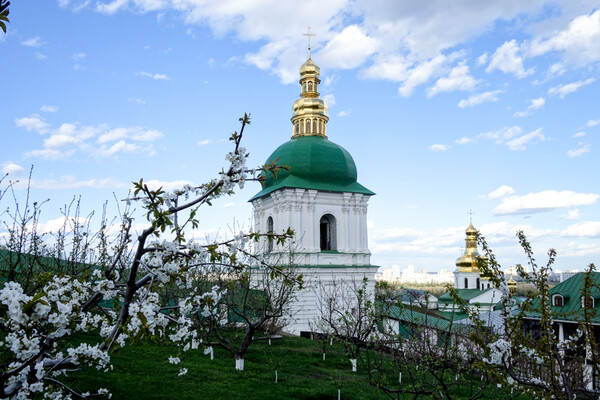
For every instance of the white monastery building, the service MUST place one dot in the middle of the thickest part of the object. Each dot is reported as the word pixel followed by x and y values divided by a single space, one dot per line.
pixel 321 200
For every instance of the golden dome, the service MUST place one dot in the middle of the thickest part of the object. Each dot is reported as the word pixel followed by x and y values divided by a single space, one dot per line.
pixel 468 261
pixel 310 111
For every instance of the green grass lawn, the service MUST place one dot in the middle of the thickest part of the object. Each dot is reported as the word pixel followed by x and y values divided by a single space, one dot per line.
pixel 142 371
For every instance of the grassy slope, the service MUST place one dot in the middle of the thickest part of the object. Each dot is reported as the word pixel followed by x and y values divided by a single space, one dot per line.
pixel 143 372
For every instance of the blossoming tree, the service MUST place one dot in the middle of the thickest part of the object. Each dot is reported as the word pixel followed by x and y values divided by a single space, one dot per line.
pixel 37 327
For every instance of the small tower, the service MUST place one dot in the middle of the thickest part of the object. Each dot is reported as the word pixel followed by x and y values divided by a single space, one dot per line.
pixel 320 199
pixel 467 274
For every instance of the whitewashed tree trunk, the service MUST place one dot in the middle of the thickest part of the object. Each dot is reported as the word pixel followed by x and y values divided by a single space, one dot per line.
pixel 353 362
pixel 275 376
pixel 339 394
pixel 239 364
pixel 323 356
pixel 269 342
pixel 212 354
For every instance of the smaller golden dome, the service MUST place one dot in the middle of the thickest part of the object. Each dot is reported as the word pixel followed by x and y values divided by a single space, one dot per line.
pixel 309 67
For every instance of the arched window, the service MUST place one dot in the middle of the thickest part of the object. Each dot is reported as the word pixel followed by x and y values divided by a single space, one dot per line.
pixel 466 283
pixel 314 126
pixel 479 287
pixel 269 230
pixel 302 127
pixel 327 232
pixel 310 86
pixel 558 300
pixel 297 128
pixel 308 126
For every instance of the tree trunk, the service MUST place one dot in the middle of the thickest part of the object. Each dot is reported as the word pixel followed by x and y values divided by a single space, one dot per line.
pixel 239 364
pixel 353 362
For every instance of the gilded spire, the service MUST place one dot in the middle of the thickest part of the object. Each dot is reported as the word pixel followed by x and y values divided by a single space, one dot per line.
pixel 310 111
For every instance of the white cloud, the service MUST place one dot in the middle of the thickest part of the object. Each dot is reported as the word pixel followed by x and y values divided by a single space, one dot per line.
pixel 137 100
pixel 348 49
pixel 507 59
pixel 50 109
pixel 500 192
pixel 572 214
pixel 544 201
pixel 593 122
pixel 72 137
pixel 71 182
pixel 408 240
pixel 464 140
pixel 155 76
pixel 583 229
pixel 50 154
pixel 438 147
pixel 154 184
pixel 577 249
pixel 582 149
pixel 578 42
pixel 33 42
pixel 394 41
pixel 119 147
pixel 476 99
pixel 329 99
pixel 563 90
pixel 458 79
pixel 204 142
pixel 39 55
pixel 535 105
pixel 343 113
pixel 422 72
pixel 112 7
pixel 519 143
pixel 482 59
pixel 503 134
pixel 12 169
pixel 33 122
pixel 79 56
pixel 579 134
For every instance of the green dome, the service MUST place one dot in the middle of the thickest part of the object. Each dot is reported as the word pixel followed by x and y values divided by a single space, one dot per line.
pixel 315 163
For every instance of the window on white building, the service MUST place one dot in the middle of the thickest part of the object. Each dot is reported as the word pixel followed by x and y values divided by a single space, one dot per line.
pixel 270 230
pixel 327 232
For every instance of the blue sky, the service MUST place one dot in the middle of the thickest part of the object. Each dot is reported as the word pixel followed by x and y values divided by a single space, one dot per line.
pixel 484 106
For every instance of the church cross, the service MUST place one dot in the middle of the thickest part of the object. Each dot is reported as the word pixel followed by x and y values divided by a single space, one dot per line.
pixel 309 35
pixel 470 215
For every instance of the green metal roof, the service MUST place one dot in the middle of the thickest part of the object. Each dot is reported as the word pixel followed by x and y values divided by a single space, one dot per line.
pixel 571 290
pixel 314 163
pixel 414 316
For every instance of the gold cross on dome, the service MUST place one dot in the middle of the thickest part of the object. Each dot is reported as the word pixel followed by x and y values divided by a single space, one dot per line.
pixel 309 35
pixel 470 215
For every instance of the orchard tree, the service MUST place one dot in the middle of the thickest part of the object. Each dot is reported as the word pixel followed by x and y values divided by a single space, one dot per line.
pixel 254 304
pixel 37 325
pixel 347 310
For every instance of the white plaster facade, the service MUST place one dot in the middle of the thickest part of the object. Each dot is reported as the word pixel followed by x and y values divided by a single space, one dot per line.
pixel 347 262
pixel 302 210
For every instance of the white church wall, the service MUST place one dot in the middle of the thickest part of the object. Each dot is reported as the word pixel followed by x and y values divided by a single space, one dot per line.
pixel 302 209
